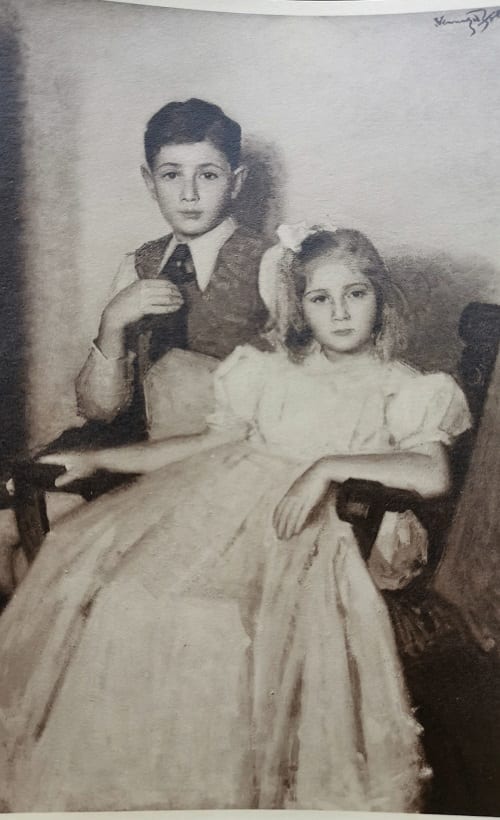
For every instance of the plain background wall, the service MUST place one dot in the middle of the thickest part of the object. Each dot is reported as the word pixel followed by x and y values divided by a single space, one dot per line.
pixel 388 124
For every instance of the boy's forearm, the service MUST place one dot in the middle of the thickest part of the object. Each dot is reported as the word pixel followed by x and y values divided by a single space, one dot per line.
pixel 111 338
pixel 103 387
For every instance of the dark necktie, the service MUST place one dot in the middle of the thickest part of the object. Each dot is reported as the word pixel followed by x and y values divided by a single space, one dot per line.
pixel 179 267
pixel 172 330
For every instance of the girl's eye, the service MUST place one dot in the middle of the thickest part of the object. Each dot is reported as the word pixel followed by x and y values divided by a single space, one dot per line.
pixel 358 294
pixel 320 298
pixel 209 175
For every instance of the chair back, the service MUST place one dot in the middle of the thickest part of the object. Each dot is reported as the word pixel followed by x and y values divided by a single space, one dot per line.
pixel 469 572
pixel 479 329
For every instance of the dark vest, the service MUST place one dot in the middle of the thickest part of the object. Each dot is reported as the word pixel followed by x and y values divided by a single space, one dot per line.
pixel 228 313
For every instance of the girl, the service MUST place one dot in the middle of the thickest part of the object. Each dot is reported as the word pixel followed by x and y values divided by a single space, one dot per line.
pixel 210 637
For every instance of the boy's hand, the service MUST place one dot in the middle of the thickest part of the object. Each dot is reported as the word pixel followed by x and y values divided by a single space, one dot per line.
pixel 142 298
pixel 291 514
pixel 146 297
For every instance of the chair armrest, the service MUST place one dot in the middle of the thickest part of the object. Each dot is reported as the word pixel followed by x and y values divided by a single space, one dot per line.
pixel 363 504
pixel 28 473
pixel 32 475
pixel 361 501
pixel 33 480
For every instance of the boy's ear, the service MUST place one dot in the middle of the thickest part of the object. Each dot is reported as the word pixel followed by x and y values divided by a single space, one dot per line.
pixel 148 179
pixel 239 177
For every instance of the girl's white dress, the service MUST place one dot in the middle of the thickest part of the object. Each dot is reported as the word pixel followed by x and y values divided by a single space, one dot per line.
pixel 167 651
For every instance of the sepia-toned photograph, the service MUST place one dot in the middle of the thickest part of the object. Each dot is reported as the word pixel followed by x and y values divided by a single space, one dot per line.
pixel 250 421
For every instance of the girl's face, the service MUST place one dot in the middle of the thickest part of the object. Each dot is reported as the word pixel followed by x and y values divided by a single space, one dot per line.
pixel 339 305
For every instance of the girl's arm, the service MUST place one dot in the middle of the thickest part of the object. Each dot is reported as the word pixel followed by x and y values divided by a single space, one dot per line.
pixel 423 470
pixel 144 457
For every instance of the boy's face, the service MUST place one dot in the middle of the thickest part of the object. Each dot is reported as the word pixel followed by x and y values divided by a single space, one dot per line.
pixel 194 185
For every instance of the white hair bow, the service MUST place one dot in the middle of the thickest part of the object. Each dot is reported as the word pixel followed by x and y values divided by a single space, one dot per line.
pixel 292 236
pixel 271 273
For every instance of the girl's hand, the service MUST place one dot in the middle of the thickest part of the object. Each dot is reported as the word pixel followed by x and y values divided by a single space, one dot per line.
pixel 78 465
pixel 302 498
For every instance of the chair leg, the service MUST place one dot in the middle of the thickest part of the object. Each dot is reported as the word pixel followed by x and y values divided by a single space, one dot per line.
pixel 31 517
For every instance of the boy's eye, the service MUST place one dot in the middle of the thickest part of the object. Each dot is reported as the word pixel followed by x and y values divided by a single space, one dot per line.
pixel 170 175
pixel 209 175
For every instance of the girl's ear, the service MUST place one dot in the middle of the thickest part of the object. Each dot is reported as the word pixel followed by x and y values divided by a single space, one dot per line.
pixel 239 177
pixel 148 179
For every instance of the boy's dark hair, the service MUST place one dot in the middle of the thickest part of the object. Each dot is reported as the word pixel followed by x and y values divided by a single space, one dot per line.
pixel 192 121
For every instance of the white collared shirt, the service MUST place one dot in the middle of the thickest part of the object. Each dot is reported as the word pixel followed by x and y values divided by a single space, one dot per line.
pixel 204 252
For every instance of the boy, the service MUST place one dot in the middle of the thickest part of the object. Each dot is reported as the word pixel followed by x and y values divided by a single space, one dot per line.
pixel 195 288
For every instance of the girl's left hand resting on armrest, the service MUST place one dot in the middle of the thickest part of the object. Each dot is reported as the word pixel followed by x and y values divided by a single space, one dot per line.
pixel 423 470
pixel 302 498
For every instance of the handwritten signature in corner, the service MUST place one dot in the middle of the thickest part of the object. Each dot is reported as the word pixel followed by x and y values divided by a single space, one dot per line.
pixel 476 19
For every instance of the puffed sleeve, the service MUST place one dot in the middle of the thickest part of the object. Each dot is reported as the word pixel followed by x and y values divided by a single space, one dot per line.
pixel 238 385
pixel 429 408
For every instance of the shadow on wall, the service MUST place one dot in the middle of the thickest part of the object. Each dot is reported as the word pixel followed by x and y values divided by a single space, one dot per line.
pixel 260 204
pixel 437 289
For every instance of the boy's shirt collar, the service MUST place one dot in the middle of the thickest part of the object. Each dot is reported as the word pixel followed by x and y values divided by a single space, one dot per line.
pixel 205 250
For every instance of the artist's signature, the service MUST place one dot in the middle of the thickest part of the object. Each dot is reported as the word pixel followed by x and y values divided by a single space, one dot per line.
pixel 476 20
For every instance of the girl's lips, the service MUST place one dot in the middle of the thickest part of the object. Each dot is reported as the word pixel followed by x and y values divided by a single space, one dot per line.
pixel 191 214
pixel 343 332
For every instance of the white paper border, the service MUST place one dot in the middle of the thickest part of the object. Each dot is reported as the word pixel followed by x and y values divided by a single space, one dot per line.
pixel 310 8
pixel 295 8
pixel 230 814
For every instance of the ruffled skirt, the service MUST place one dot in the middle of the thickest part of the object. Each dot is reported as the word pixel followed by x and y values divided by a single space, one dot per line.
pixel 167 651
